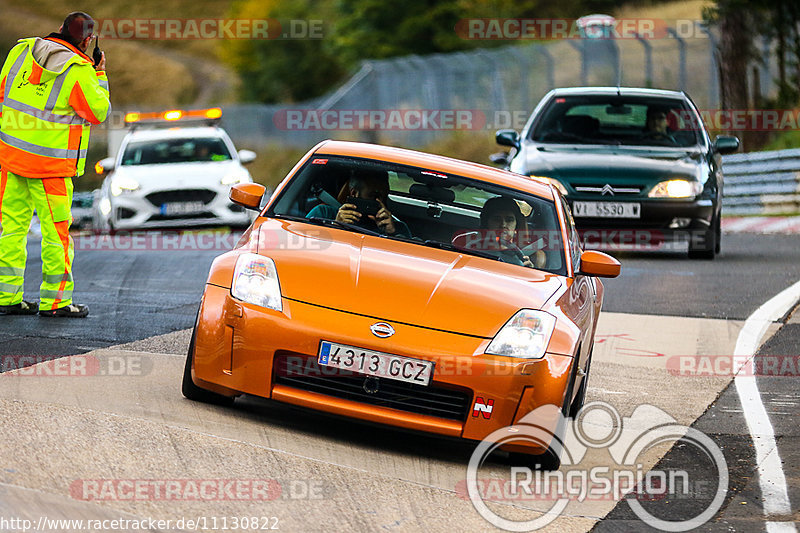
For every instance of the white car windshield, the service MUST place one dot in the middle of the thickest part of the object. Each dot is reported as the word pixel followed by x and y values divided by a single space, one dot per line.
pixel 161 151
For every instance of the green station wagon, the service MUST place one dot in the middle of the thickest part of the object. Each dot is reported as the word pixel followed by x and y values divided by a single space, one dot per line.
pixel 631 162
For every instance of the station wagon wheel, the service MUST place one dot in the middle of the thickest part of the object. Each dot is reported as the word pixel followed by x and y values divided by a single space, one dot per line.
pixel 192 391
pixel 710 247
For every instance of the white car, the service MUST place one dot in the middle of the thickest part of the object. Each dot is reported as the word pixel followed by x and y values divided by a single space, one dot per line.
pixel 172 178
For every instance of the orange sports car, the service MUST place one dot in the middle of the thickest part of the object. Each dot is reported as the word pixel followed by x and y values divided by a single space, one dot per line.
pixel 406 289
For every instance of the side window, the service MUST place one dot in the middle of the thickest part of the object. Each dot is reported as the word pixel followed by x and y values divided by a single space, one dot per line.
pixel 574 238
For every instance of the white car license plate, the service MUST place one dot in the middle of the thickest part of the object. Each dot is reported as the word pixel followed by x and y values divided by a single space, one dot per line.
pixel 182 208
pixel 372 363
pixel 607 209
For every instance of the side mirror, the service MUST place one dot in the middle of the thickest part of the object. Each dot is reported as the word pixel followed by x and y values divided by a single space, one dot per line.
pixel 594 263
pixel 246 156
pixel 247 195
pixel 726 144
pixel 507 138
pixel 104 165
pixel 500 158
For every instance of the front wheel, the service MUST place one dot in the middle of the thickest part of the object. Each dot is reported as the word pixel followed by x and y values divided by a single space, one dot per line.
pixel 192 391
pixel 710 245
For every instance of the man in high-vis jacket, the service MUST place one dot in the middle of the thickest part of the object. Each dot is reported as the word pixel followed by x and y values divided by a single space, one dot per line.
pixel 51 93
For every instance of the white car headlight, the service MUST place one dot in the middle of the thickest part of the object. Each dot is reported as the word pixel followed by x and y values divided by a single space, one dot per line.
pixel 122 184
pixel 526 335
pixel 676 189
pixel 237 176
pixel 255 281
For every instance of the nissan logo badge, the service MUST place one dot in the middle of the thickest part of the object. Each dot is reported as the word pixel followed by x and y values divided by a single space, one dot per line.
pixel 382 330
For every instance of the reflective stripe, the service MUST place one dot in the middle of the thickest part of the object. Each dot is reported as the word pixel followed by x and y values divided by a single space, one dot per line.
pixel 13 72
pixel 54 279
pixel 55 295
pixel 8 288
pixel 12 271
pixel 43 114
pixel 103 84
pixel 59 153
pixel 56 90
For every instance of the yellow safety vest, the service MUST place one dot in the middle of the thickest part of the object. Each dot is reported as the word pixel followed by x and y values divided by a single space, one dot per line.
pixel 45 116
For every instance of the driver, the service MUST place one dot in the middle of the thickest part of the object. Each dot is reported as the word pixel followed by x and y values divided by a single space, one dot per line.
pixel 656 126
pixel 369 185
pixel 503 216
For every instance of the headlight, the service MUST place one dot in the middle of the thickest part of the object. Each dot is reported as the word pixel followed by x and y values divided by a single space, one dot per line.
pixel 676 189
pixel 255 281
pixel 123 184
pixel 555 183
pixel 105 206
pixel 526 335
pixel 232 178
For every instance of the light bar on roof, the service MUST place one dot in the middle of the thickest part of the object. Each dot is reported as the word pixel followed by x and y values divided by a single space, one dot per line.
pixel 173 115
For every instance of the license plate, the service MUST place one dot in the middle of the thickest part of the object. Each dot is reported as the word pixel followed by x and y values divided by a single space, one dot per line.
pixel 607 209
pixel 372 363
pixel 182 208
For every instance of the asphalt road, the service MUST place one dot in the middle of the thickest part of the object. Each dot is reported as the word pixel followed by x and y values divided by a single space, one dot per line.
pixel 137 295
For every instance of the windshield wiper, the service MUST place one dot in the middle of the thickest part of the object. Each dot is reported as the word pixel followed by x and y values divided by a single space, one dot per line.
pixel 320 221
pixel 344 225
pixel 453 248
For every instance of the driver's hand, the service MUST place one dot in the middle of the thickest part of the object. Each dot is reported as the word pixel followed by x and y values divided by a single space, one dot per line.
pixel 348 214
pixel 526 261
pixel 383 218
pixel 539 259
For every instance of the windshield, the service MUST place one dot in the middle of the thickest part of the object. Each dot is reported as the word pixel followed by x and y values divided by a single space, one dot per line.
pixel 427 208
pixel 156 152
pixel 617 120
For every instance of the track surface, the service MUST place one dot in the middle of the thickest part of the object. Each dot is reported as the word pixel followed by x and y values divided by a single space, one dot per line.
pixel 348 475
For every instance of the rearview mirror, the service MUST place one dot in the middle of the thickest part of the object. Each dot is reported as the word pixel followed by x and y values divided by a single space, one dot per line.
pixel 246 156
pixel 500 158
pixel 247 195
pixel 507 138
pixel 726 144
pixel 594 263
pixel 104 165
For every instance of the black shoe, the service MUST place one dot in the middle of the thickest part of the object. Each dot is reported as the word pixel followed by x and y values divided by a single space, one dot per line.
pixel 22 308
pixel 71 310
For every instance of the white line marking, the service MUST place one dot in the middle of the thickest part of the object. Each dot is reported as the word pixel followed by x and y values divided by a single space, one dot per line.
pixel 771 477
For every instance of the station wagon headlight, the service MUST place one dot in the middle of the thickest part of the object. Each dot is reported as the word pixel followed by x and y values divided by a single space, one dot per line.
pixel 121 184
pixel 255 281
pixel 676 189
pixel 526 335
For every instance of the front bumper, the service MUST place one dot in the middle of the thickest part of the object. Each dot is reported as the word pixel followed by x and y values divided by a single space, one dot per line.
pixel 238 346
pixel 141 210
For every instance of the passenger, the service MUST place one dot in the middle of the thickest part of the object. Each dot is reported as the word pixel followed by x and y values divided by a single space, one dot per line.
pixel 503 216
pixel 369 185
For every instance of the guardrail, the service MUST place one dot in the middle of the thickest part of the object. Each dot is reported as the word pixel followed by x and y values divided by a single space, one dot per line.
pixel 762 183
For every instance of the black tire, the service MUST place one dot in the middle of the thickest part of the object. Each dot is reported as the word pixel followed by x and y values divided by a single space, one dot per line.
pixel 580 398
pixel 718 231
pixel 710 247
pixel 195 393
pixel 549 460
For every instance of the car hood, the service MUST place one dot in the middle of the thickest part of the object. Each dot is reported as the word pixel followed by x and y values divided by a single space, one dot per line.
pixel 180 175
pixel 400 282
pixel 613 165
